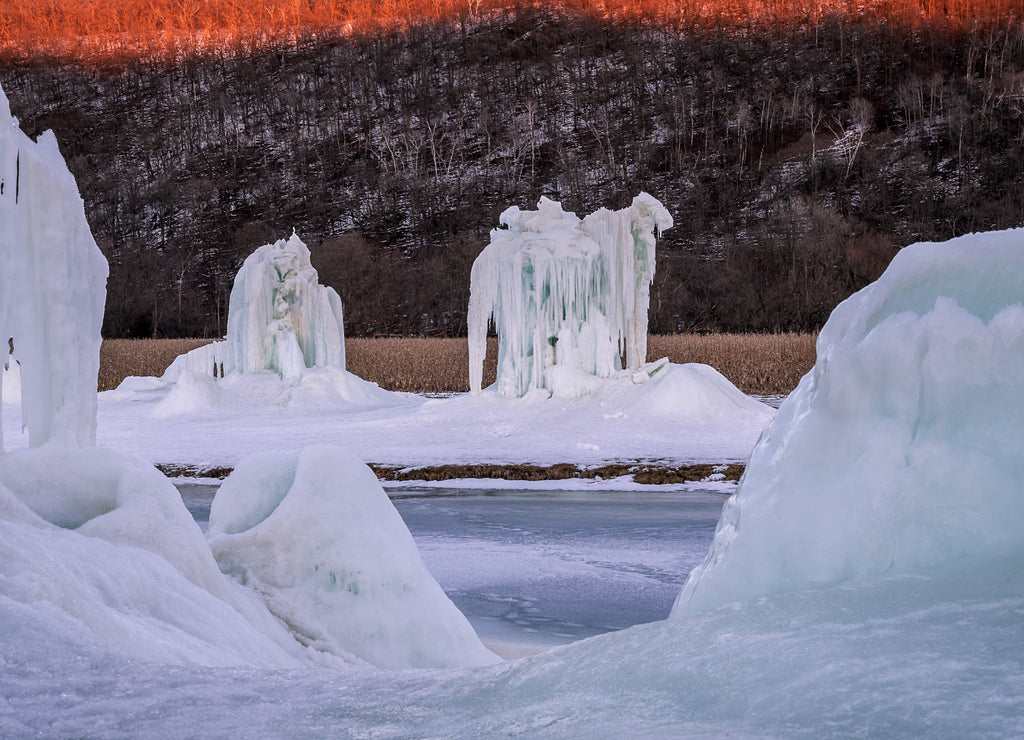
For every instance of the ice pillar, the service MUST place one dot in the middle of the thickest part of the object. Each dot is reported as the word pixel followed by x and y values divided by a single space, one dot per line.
pixel 280 318
pixel 52 287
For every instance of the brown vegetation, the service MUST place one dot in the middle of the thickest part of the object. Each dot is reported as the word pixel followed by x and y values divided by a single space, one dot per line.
pixel 762 364
pixel 645 473
pixel 795 163
pixel 120 358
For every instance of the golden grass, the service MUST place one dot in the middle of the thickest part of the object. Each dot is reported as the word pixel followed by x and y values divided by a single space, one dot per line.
pixel 418 364
pixel 762 364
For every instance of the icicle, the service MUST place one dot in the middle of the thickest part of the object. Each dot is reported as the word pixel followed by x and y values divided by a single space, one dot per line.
pixel 564 291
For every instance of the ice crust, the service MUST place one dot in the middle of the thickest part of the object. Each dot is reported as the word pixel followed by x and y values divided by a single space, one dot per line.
pixel 314 533
pixel 564 292
pixel 900 452
pixel 47 251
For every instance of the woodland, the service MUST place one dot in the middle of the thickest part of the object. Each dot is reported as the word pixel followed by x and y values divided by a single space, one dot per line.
pixel 796 152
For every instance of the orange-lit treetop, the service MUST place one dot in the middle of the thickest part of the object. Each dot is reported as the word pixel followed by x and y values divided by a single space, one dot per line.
pixel 85 28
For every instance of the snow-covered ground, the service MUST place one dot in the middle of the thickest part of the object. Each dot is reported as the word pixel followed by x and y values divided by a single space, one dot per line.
pixel 684 414
pixel 864 581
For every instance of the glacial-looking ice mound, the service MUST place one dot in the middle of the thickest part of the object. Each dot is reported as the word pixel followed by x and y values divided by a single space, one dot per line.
pixel 280 319
pixel 564 291
pixel 902 451
pixel 52 287
pixel 316 536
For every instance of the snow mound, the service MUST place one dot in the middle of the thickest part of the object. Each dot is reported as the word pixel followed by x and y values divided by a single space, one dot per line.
pixel 193 393
pixel 692 394
pixel 48 250
pixel 900 452
pixel 315 535
pixel 112 496
pixel 98 555
pixel 564 292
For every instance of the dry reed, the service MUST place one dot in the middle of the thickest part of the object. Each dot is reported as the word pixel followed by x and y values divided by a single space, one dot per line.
pixel 761 364
pixel 120 358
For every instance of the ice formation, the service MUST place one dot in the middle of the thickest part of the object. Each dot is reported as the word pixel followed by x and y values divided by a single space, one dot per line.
pixel 314 533
pixel 52 287
pixel 280 319
pixel 564 292
pixel 870 563
pixel 900 453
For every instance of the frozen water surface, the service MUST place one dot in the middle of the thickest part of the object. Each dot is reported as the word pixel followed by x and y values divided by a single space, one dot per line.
pixel 533 569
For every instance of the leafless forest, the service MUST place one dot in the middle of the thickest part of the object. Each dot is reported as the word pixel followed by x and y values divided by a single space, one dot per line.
pixel 796 157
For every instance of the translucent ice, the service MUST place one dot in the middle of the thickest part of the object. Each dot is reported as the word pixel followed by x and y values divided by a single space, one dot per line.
pixel 900 452
pixel 315 535
pixel 280 318
pixel 564 292
pixel 52 287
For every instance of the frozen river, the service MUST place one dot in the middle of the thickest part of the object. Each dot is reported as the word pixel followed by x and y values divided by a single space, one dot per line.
pixel 540 568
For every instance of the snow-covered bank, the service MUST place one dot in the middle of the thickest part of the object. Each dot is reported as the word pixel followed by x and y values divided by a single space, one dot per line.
pixel 683 414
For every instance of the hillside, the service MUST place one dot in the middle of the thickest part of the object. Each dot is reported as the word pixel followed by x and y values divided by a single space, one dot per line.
pixel 796 158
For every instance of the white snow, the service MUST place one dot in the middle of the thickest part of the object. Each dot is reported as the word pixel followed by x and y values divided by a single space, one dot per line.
pixel 52 287
pixel 314 533
pixel 565 294
pixel 880 517
pixel 682 414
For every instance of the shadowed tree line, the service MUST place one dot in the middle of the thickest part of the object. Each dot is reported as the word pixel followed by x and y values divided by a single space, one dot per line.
pixel 795 160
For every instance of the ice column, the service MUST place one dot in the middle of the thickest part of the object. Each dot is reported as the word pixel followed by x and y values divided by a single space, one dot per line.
pixel 563 291
pixel 280 318
pixel 52 287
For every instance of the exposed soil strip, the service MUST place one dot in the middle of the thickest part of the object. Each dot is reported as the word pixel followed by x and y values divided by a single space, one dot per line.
pixel 647 473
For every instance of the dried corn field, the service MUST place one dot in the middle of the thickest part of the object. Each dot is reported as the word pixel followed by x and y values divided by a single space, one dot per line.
pixel 762 364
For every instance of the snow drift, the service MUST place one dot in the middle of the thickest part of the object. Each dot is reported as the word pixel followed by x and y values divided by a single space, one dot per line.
pixel 564 292
pixel 901 451
pixel 315 534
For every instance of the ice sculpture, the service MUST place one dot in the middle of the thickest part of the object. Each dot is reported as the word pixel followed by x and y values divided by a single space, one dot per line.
pixel 900 452
pixel 279 319
pixel 47 251
pixel 564 292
